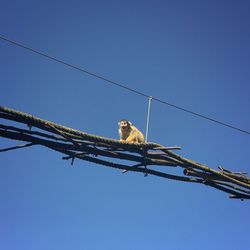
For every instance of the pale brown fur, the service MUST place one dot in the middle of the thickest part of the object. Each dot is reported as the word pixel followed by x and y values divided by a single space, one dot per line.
pixel 129 133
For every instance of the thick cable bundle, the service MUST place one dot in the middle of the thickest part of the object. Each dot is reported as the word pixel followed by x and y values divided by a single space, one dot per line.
pixel 113 153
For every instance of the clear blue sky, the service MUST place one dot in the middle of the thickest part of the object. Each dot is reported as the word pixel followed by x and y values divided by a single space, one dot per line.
pixel 194 54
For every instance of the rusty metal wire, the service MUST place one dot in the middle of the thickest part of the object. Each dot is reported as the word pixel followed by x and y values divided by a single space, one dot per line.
pixel 115 154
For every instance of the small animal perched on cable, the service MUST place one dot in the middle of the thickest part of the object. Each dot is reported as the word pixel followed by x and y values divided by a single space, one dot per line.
pixel 129 133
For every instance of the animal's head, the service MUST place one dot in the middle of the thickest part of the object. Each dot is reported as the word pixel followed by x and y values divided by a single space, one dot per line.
pixel 124 124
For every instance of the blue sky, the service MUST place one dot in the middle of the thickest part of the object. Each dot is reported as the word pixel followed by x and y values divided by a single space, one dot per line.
pixel 194 54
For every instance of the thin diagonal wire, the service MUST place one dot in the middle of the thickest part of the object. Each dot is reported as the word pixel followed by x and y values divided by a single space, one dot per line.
pixel 121 85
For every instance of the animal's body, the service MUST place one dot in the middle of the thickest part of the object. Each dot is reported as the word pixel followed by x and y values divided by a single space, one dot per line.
pixel 130 133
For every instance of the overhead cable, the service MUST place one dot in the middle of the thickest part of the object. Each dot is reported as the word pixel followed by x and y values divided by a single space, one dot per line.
pixel 20 45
